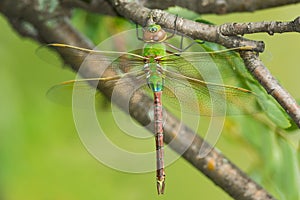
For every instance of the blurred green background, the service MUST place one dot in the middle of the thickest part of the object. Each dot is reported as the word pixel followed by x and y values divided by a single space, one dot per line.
pixel 42 157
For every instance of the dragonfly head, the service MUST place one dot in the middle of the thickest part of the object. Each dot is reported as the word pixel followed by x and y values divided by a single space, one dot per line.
pixel 154 33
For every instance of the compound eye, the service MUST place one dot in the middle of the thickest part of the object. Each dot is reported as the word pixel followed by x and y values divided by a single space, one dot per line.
pixel 152 29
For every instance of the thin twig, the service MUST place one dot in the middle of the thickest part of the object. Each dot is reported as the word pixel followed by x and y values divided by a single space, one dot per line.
pixel 230 29
pixel 271 85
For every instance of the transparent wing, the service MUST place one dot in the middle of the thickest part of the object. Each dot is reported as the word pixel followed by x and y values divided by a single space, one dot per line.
pixel 182 93
pixel 125 82
pixel 117 61
pixel 206 65
pixel 187 80
pixel 207 99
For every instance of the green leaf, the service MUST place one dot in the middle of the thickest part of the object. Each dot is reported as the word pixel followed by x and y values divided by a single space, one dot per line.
pixel 204 21
pixel 183 12
pixel 287 176
pixel 278 166
pixel 272 109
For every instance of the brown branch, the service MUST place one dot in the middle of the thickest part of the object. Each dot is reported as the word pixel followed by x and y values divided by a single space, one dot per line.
pixel 231 29
pixel 271 85
pixel 210 33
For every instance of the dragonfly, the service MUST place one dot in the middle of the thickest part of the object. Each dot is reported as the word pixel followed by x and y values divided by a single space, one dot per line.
pixel 171 74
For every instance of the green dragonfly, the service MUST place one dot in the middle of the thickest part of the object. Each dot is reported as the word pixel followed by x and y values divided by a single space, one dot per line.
pixel 182 78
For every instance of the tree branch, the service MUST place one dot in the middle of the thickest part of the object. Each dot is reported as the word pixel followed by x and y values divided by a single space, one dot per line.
pixel 271 85
pixel 198 6
pixel 231 29
pixel 195 30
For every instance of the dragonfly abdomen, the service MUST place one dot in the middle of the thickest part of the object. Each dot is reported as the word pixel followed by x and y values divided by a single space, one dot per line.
pixel 159 141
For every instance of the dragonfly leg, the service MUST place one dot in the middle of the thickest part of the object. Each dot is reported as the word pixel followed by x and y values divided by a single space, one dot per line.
pixel 137 32
pixel 181 48
pixel 174 30
pixel 187 47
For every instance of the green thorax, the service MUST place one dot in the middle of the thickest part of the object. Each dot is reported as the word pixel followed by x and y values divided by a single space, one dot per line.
pixel 155 71
pixel 154 50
